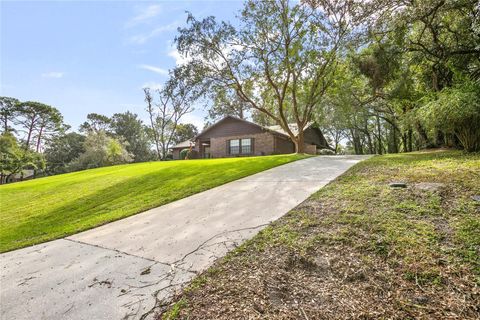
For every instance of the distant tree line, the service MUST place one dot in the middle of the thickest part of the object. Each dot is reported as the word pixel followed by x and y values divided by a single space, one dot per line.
pixel 35 138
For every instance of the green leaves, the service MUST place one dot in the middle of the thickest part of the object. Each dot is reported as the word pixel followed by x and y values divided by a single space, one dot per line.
pixel 14 159
pixel 39 121
pixel 456 110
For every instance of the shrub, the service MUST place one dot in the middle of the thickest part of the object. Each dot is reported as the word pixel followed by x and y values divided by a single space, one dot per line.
pixel 326 152
pixel 100 150
pixel 183 154
pixel 456 110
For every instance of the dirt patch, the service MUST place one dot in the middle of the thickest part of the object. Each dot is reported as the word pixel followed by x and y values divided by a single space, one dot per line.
pixel 430 186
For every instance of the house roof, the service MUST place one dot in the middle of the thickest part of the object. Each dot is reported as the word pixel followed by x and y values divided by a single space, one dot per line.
pixel 292 126
pixel 222 120
pixel 274 129
pixel 183 144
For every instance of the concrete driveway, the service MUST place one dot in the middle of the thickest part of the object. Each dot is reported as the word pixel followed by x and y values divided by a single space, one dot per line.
pixel 125 269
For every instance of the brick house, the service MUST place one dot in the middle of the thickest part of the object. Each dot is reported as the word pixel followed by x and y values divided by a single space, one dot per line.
pixel 234 137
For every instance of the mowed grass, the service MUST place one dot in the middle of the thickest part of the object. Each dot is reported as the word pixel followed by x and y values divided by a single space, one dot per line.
pixel 48 208
pixel 359 249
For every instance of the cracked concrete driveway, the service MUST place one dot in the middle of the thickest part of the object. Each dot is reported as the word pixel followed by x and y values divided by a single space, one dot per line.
pixel 125 269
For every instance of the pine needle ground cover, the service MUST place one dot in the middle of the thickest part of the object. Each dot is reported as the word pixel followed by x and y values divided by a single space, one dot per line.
pixel 359 249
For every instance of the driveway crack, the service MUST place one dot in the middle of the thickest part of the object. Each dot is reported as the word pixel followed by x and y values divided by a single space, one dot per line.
pixel 224 233
pixel 118 251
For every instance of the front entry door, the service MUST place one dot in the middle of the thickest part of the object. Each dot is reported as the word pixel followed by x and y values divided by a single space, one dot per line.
pixel 206 152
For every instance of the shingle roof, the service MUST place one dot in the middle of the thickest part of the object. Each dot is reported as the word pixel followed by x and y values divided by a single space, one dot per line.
pixel 222 120
pixel 183 144
pixel 293 127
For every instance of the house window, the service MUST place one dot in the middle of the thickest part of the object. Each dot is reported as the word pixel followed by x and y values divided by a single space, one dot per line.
pixel 240 146
pixel 246 146
pixel 234 146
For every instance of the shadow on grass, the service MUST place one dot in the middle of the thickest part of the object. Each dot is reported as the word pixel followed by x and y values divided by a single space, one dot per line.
pixel 412 158
pixel 128 197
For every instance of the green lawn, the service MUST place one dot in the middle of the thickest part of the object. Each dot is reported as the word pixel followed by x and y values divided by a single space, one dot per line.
pixel 359 249
pixel 48 208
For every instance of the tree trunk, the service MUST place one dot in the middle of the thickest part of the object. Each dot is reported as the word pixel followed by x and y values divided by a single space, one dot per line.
pixel 405 142
pixel 394 140
pixel 357 145
pixel 29 136
pixel 424 141
pixel 440 139
pixel 371 149
pixel 163 141
pixel 380 147
pixel 164 153
pixel 5 124
pixel 410 140
pixel 337 141
pixel 148 100
pixel 299 142
pixel 39 138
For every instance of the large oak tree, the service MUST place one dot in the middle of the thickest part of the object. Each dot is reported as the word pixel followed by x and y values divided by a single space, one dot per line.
pixel 280 59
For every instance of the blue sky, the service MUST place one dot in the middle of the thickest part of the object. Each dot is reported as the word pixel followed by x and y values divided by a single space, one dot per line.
pixel 94 56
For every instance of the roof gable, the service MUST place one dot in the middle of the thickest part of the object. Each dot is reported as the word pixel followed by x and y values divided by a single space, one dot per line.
pixel 183 144
pixel 230 126
pixel 292 126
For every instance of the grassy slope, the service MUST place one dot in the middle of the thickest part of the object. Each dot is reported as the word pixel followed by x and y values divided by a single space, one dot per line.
pixel 359 249
pixel 39 210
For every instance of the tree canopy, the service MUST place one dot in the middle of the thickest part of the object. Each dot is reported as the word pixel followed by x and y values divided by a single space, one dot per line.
pixel 279 60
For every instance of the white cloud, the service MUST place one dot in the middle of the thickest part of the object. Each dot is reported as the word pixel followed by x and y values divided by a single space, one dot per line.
pixel 182 60
pixel 194 119
pixel 144 37
pixel 53 74
pixel 158 70
pixel 144 15
pixel 152 85
pixel 179 59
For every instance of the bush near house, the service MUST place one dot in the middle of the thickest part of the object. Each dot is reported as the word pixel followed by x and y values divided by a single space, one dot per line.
pixel 326 152
pixel 183 154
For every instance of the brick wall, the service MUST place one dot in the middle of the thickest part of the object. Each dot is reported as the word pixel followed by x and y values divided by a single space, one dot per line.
pixel 262 144
pixel 310 149
pixel 176 153
pixel 314 136
pixel 284 145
